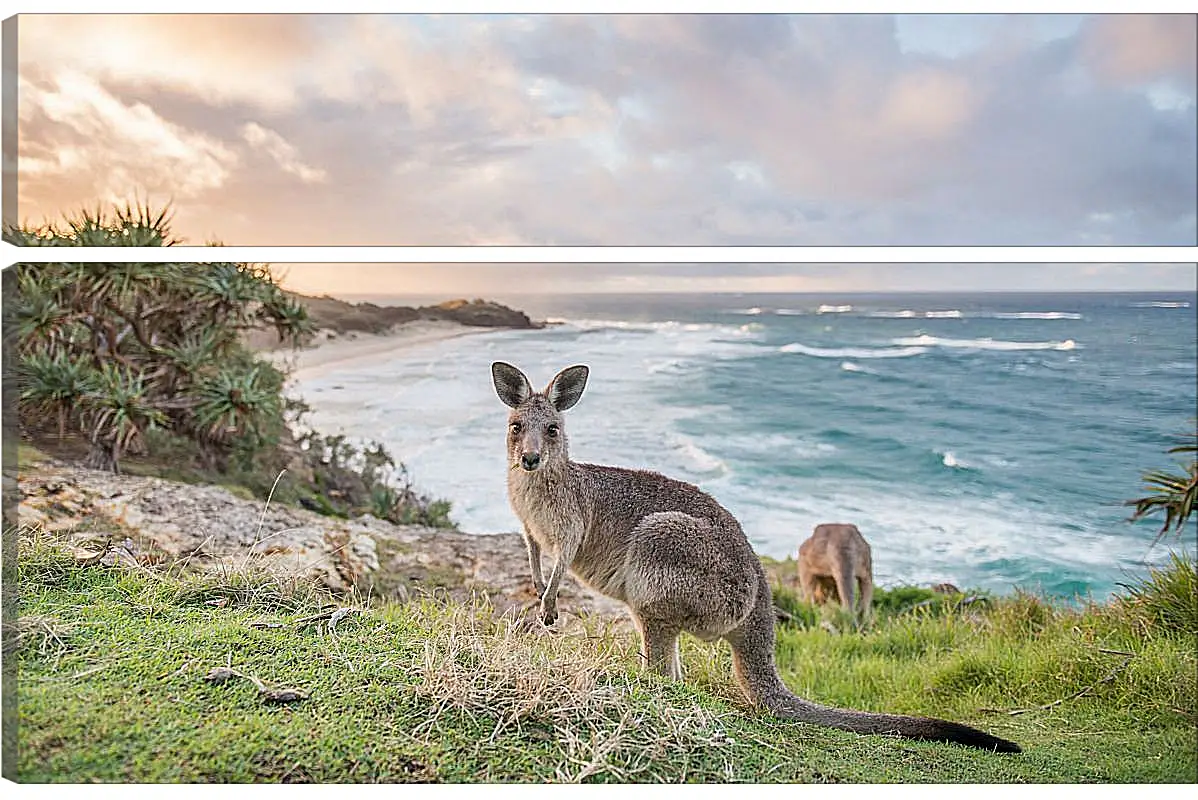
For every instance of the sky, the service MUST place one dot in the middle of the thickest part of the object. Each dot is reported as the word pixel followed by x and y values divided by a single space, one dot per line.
pixel 619 129
pixel 500 280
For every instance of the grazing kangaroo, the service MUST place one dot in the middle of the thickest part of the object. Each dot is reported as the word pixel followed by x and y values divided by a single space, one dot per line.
pixel 840 553
pixel 677 558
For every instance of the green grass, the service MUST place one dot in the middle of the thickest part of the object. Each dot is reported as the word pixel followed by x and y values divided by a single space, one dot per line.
pixel 112 663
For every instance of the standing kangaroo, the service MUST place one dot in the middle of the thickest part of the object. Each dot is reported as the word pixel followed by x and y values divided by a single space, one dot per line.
pixel 677 558
pixel 840 553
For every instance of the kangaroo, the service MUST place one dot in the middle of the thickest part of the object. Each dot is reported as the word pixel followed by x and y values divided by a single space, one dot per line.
pixel 674 556
pixel 840 553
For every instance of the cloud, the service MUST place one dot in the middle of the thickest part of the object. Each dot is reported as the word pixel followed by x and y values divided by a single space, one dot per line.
pixel 108 145
pixel 678 129
pixel 255 59
pixel 282 152
pixel 1130 49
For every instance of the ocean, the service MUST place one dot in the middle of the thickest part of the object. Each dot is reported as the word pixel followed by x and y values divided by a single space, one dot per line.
pixel 987 440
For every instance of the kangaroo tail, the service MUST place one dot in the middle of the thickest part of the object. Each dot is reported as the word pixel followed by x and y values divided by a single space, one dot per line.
pixel 753 662
pixel 786 705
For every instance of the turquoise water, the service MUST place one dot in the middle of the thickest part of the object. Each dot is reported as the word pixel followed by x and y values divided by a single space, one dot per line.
pixel 986 440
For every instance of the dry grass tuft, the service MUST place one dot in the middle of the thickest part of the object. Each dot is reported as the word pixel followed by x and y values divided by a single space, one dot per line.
pixel 581 688
pixel 46 634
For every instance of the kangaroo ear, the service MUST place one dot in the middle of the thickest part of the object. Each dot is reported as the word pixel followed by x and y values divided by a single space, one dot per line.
pixel 565 390
pixel 510 384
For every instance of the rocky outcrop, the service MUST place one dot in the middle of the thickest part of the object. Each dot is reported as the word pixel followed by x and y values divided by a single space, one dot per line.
pixel 153 521
pixel 482 313
pixel 329 313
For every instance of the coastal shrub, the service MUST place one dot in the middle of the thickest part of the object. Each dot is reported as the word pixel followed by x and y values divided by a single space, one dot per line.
pixel 1171 494
pixel 350 481
pixel 150 362
pixel 1167 599
pixel 114 350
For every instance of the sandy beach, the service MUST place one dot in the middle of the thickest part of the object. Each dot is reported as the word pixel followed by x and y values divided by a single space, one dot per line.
pixel 330 350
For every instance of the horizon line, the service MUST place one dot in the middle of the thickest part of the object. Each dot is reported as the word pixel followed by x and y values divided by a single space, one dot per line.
pixel 811 292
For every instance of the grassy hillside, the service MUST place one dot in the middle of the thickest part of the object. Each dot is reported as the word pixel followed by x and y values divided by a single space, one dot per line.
pixel 114 662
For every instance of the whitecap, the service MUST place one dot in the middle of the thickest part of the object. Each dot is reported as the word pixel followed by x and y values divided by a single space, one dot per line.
pixel 825 309
pixel 958 314
pixel 925 340
pixel 695 459
pixel 950 460
pixel 1033 315
pixel 851 352
pixel 1161 304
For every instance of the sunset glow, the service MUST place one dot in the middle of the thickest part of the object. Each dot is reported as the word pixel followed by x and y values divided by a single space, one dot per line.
pixel 607 129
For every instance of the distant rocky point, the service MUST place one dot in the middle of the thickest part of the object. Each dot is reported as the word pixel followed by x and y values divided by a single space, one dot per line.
pixel 339 316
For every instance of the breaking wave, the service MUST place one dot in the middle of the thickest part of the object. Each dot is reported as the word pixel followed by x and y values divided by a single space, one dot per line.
pixel 852 352
pixel 982 344
pixel 1033 315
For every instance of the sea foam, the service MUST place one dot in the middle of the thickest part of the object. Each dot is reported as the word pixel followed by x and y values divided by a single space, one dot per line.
pixel 958 314
pixel 695 459
pixel 852 352
pixel 949 459
pixel 981 344
pixel 1032 315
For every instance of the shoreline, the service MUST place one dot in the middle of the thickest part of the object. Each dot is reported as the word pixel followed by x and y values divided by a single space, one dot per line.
pixel 330 350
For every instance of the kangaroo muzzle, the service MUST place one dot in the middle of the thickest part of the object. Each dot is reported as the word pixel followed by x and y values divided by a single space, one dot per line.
pixel 530 461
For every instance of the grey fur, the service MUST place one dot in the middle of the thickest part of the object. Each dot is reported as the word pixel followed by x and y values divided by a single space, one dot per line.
pixel 677 558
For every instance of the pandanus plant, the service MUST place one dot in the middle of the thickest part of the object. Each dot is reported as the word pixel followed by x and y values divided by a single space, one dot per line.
pixel 113 350
pixel 1171 494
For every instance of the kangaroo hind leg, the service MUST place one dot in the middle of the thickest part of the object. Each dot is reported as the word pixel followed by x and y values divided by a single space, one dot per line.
pixel 867 597
pixel 659 648
pixel 846 584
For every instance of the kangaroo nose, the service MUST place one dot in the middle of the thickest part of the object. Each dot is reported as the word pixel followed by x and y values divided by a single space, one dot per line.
pixel 530 461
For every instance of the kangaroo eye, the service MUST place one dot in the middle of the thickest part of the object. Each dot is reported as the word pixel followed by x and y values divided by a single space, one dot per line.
pixel 515 427
pixel 552 431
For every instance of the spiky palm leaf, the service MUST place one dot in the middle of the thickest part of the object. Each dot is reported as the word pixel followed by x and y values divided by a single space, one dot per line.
pixel 1171 494
pixel 119 408
pixel 195 353
pixel 52 384
pixel 164 340
pixel 38 316
pixel 236 403
pixel 131 225
pixel 290 319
